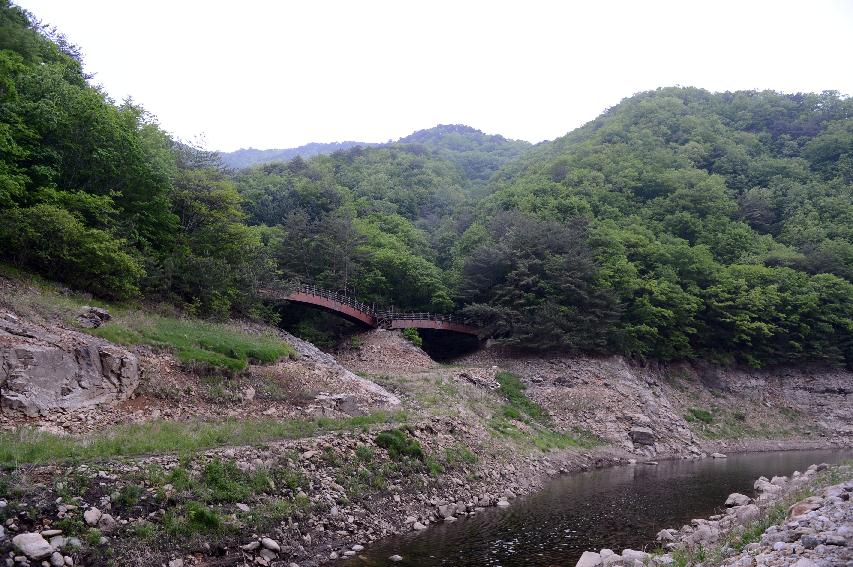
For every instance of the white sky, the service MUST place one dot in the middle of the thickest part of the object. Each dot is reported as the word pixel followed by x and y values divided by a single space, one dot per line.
pixel 276 74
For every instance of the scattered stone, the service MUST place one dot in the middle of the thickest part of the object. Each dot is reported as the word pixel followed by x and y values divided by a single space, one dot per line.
pixel 32 545
pixel 419 526
pixel 91 516
pixel 270 544
pixel 396 558
pixel 718 455
pixel 176 562
pixel 107 523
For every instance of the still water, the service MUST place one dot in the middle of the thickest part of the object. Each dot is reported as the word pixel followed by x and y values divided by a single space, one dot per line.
pixel 620 507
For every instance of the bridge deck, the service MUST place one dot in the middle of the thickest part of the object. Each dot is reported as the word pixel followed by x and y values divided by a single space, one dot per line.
pixel 367 314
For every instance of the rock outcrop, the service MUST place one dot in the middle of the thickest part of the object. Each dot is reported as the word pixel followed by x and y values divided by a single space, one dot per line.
pixel 42 370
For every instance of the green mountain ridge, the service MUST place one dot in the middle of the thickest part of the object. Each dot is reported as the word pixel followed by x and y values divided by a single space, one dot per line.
pixel 679 224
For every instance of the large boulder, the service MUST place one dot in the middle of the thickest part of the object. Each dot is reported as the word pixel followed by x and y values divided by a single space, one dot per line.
pixel 589 559
pixel 642 436
pixel 41 371
pixel 737 499
pixel 32 545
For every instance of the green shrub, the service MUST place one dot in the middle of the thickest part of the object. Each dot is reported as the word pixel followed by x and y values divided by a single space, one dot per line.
pixel 399 444
pixel 55 243
pixel 413 337
pixel 144 530
pixel 129 495
pixel 200 518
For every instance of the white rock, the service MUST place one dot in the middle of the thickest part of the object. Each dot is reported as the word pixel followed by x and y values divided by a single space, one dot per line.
pixel 634 555
pixel 419 526
pixel 270 544
pixel 589 559
pixel 396 558
pixel 737 499
pixel 718 455
pixel 358 547
pixel 32 545
pixel 92 515
pixel 56 560
pixel 176 562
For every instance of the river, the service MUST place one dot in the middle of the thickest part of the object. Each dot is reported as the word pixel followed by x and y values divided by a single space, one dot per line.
pixel 619 507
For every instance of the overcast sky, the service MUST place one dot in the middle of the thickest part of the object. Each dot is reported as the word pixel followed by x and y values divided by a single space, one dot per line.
pixel 275 74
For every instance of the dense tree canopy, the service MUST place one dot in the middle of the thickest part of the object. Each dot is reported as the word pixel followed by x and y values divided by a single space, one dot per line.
pixel 680 223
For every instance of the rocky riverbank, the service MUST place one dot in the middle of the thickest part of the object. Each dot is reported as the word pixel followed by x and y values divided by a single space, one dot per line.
pixel 327 497
pixel 804 521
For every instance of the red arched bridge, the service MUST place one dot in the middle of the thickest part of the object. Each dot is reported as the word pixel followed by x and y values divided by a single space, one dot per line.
pixel 367 314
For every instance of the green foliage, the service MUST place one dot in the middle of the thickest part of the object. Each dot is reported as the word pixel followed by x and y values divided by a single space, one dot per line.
pixel 54 242
pixel 413 337
pixel 399 444
pixel 679 224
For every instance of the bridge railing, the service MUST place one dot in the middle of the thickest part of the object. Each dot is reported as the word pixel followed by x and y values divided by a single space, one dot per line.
pixel 370 309
pixel 335 296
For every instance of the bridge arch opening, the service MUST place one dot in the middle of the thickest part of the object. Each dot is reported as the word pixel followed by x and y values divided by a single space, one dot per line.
pixel 444 345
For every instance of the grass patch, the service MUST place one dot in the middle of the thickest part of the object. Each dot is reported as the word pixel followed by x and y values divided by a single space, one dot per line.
pixel 512 389
pixel 542 437
pixel 697 414
pixel 28 446
pixel 195 341
pixel 222 481
pixel 459 455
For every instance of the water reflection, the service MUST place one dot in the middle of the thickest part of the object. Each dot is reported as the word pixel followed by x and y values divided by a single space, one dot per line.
pixel 616 508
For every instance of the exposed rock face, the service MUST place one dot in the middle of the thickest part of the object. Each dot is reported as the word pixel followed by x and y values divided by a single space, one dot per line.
pixel 41 371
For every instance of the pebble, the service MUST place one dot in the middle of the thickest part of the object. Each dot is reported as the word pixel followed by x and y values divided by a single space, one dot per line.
pixel 396 558
pixel 271 544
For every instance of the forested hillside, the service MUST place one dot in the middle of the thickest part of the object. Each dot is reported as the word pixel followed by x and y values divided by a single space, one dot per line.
pixel 247 157
pixel 678 224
